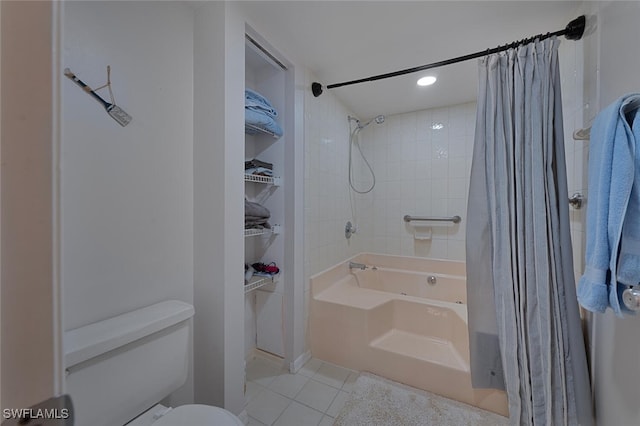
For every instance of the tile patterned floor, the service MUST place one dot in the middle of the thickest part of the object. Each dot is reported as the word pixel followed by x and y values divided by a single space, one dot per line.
pixel 312 397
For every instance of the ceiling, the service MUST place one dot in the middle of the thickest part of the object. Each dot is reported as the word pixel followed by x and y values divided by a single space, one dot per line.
pixel 346 40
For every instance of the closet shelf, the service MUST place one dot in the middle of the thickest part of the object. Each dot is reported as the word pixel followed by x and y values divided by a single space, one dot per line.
pixel 275 230
pixel 251 129
pixel 257 281
pixel 275 181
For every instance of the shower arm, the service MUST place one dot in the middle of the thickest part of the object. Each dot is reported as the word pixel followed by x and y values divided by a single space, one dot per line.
pixel 573 31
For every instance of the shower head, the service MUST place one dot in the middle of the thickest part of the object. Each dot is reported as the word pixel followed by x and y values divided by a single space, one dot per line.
pixel 379 120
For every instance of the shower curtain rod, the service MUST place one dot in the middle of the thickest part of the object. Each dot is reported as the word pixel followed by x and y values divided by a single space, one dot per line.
pixel 573 31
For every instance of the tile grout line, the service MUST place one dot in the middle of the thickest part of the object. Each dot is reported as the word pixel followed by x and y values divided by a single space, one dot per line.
pixel 308 378
pixel 280 415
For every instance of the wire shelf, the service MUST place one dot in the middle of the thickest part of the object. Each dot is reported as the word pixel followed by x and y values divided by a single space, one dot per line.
pixel 275 229
pixel 269 180
pixel 258 281
pixel 251 129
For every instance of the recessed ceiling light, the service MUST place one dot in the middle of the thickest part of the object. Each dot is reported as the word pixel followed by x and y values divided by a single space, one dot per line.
pixel 427 81
pixel 437 126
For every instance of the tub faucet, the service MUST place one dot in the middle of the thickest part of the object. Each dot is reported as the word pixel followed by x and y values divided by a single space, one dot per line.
pixel 354 265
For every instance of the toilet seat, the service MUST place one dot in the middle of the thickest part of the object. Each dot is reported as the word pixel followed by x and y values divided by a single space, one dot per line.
pixel 198 415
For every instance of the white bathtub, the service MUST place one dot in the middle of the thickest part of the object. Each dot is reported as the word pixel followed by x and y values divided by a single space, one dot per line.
pixel 392 320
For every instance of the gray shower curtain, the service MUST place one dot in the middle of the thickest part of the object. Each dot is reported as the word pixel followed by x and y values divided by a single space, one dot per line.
pixel 524 326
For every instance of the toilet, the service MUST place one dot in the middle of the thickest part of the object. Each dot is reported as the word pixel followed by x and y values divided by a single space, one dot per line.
pixel 192 414
pixel 119 369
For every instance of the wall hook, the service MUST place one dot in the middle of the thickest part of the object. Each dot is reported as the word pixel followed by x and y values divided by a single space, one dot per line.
pixel 113 110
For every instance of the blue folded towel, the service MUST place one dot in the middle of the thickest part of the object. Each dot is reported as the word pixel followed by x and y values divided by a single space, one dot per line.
pixel 263 121
pixel 255 101
pixel 612 142
pixel 629 263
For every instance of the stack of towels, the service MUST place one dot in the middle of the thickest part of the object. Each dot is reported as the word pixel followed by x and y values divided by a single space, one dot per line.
pixel 256 216
pixel 257 167
pixel 259 112
pixel 613 210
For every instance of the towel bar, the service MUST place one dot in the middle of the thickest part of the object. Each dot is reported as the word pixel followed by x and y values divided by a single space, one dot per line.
pixel 454 219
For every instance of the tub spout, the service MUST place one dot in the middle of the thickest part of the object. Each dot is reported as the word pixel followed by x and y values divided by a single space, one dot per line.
pixel 354 265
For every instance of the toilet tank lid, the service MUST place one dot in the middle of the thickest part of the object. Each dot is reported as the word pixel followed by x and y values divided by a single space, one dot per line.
pixel 91 340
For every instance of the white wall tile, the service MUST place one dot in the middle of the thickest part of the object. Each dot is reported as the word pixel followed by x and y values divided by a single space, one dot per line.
pixel 419 171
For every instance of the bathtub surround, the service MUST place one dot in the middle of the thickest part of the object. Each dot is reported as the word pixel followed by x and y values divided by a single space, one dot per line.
pixel 421 161
pixel 519 242
pixel 403 318
pixel 377 401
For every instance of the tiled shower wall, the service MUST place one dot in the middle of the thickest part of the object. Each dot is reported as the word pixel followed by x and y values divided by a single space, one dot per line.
pixel 326 187
pixel 326 195
pixel 421 161
pixel 579 106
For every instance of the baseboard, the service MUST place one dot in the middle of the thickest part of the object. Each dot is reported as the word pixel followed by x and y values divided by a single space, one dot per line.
pixel 299 362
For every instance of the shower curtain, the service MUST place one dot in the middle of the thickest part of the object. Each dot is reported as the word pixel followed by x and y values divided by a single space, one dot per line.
pixel 524 326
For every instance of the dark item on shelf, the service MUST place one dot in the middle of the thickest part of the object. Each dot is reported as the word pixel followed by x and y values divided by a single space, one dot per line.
pixel 271 268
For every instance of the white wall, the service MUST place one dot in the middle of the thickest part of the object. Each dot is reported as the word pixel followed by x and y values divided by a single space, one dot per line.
pixel 30 323
pixel 326 183
pixel 127 192
pixel 218 208
pixel 420 171
pixel 612 61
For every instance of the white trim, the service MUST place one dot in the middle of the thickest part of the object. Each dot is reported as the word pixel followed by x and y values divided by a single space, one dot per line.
pixel 296 365
pixel 56 216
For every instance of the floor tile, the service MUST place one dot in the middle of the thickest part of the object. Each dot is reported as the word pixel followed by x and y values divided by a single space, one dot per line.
pixel 327 421
pixel 331 375
pixel 253 390
pixel 317 395
pixel 338 403
pixel 267 406
pixel 254 422
pixel 288 384
pixel 351 379
pixel 299 415
pixel 262 371
pixel 311 367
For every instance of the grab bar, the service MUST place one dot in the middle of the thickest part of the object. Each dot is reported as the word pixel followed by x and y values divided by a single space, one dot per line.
pixel 454 219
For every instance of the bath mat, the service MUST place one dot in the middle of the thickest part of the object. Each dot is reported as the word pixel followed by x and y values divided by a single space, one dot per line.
pixel 379 402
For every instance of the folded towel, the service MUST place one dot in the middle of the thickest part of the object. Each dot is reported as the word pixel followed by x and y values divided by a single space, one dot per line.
pixel 249 164
pixel 612 142
pixel 257 224
pixel 256 210
pixel 262 121
pixel 260 171
pixel 255 101
pixel 629 263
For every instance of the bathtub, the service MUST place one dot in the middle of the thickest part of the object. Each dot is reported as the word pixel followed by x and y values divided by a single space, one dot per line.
pixel 403 318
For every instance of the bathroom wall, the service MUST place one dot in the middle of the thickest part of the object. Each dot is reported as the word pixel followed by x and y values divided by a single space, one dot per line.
pixel 29 140
pixel 127 192
pixel 326 183
pixel 422 162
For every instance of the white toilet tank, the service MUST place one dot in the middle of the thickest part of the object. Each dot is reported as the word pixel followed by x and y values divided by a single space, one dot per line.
pixel 119 367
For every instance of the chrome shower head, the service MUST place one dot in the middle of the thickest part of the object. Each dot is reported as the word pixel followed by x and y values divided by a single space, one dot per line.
pixel 379 120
